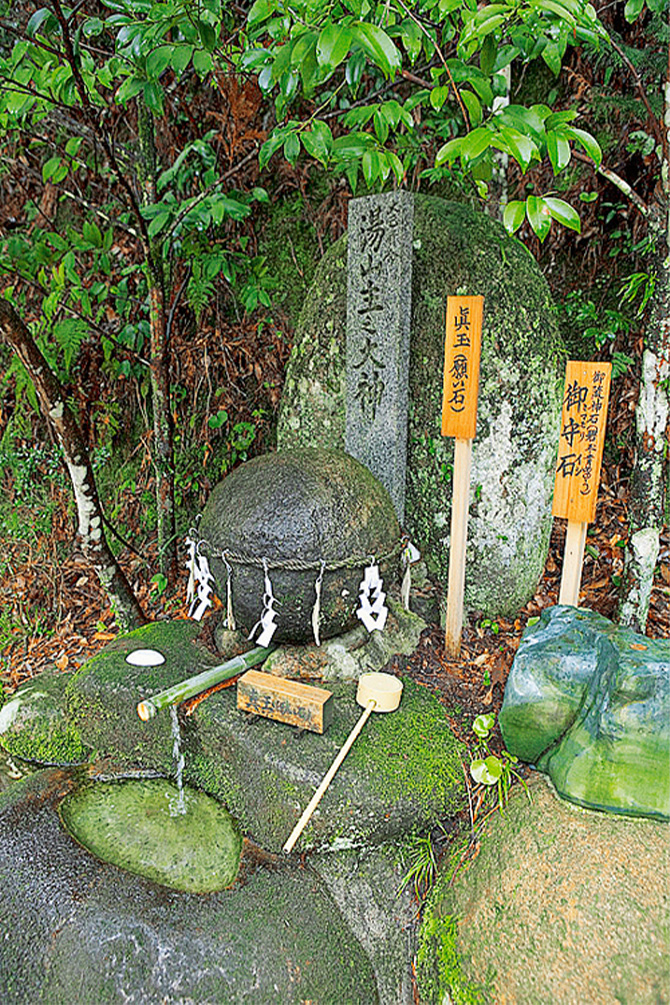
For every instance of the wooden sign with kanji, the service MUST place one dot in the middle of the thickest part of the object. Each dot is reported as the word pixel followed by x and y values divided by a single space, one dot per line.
pixel 462 350
pixel 581 440
pixel 580 452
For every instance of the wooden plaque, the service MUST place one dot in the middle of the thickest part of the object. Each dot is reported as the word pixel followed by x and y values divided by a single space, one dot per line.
pixel 581 440
pixel 285 700
pixel 462 350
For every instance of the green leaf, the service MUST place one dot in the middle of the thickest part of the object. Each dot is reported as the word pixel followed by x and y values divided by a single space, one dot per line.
pixel 202 62
pixel 159 60
pixel 487 56
pixel 438 96
pixel 269 148
pixel 48 169
pixel 553 57
pixel 370 165
pixel 129 89
pixel 37 20
pixel 207 35
pixel 381 127
pixel 632 10
pixel 93 26
pixel 158 223
pixel 483 724
pixel 180 57
pixel 412 37
pixel 333 45
pixel 216 421
pixel 559 151
pixel 292 148
pixel 518 145
pixel 514 215
pixel 72 145
pixel 319 142
pixel 563 213
pixel 153 97
pixel 379 47
pixel 473 105
pixel 474 144
pixel 484 772
pixel 587 142
pixel 91 233
pixel 539 216
pixel 450 152
pixel 260 10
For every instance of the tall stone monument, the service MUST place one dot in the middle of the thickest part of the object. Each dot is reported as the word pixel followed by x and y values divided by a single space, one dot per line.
pixel 379 313
pixel 454 250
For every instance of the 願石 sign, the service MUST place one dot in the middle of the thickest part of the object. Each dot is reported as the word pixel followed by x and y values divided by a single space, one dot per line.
pixel 581 440
pixel 379 311
pixel 462 349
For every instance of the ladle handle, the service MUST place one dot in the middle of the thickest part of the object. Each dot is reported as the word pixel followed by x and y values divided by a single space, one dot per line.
pixel 328 777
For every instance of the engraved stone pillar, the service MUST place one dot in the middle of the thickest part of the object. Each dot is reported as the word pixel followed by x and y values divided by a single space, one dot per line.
pixel 379 308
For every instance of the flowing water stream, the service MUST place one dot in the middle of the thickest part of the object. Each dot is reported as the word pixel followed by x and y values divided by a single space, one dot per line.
pixel 178 804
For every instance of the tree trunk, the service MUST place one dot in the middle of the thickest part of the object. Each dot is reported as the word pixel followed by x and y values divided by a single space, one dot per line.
pixel 128 612
pixel 163 440
pixel 649 483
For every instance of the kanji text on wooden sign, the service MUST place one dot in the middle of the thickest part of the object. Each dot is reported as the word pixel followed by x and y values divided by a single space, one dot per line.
pixel 461 366
pixel 581 440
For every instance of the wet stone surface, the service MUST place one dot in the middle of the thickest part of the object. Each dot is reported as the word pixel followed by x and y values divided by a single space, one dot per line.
pixel 309 505
pixel 74 929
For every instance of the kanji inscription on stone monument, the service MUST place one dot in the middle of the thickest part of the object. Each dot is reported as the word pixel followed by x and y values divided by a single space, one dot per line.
pixel 379 305
pixel 581 440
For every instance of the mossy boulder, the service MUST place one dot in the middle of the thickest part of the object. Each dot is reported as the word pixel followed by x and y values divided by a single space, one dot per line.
pixel 561 905
pixel 402 774
pixel 588 702
pixel 308 505
pixel 34 726
pixel 103 695
pixel 455 250
pixel 74 929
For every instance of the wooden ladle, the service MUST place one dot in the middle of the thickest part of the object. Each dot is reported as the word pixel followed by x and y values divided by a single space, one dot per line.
pixel 377 692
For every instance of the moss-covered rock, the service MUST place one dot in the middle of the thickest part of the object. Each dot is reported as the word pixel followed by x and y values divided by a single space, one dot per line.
pixel 74 929
pixel 33 724
pixel 561 906
pixel 103 695
pixel 402 773
pixel 456 250
pixel 588 702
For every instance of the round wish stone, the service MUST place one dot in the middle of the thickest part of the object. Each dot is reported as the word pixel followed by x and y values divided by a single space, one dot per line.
pixel 310 505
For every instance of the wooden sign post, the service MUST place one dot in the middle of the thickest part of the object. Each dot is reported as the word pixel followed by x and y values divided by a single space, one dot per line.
pixel 459 419
pixel 580 452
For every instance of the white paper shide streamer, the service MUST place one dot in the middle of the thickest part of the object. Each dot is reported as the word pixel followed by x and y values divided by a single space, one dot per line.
pixel 203 586
pixel 268 619
pixel 372 610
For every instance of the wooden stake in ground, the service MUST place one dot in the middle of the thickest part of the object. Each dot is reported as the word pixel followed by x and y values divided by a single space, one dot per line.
pixel 459 419
pixel 580 452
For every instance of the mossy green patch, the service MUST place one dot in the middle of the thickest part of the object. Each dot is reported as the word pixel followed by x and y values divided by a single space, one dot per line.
pixel 33 724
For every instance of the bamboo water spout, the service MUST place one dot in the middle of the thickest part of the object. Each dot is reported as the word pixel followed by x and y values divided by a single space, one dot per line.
pixel 208 678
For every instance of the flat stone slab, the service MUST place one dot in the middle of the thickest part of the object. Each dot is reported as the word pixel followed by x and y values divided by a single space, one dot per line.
pixel 402 774
pixel 562 905
pixel 588 702
pixel 73 929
